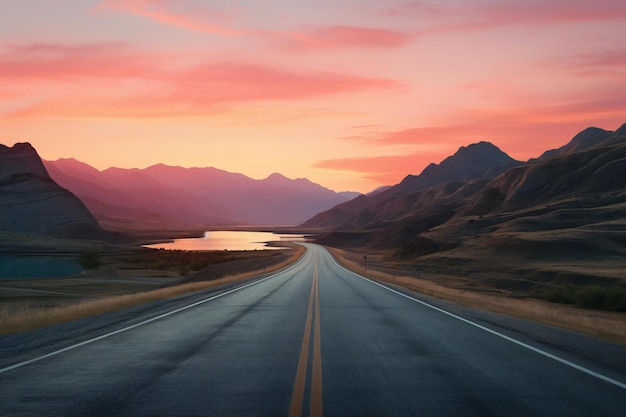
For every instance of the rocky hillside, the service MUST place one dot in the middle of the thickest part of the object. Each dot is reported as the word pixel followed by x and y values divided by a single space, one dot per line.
pixel 587 174
pixel 30 201
pixel 474 162
pixel 557 219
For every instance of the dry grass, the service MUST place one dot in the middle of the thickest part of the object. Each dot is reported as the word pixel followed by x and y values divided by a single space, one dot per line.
pixel 24 318
pixel 606 325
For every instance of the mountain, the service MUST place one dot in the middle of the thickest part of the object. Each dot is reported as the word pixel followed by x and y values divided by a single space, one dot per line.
pixel 588 138
pixel 555 220
pixel 112 201
pixel 31 202
pixel 592 164
pixel 474 162
pixel 378 190
pixel 192 196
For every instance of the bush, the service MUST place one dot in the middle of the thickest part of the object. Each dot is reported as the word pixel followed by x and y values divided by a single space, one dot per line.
pixel 594 296
pixel 591 297
pixel 613 298
pixel 563 295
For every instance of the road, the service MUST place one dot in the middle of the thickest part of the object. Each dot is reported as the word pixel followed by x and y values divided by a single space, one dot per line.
pixel 313 340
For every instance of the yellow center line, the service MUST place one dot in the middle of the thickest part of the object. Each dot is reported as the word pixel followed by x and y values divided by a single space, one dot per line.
pixel 316 384
pixel 297 398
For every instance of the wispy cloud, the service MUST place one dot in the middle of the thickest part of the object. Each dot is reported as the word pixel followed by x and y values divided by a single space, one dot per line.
pixel 553 11
pixel 468 16
pixel 514 128
pixel 595 65
pixel 183 15
pixel 116 81
pixel 243 81
pixel 62 63
pixel 523 133
pixel 179 14
pixel 335 37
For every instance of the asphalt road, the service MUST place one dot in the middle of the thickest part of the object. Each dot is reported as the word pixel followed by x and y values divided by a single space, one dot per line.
pixel 312 340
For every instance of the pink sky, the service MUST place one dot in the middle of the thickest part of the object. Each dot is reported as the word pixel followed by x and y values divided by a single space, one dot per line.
pixel 351 94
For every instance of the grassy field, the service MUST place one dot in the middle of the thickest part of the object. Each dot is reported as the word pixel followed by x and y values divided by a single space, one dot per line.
pixel 603 324
pixel 126 280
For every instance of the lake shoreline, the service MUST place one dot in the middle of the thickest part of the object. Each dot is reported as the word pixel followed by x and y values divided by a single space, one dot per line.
pixel 228 240
pixel 28 256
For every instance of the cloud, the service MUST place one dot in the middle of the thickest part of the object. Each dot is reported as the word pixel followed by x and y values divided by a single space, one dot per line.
pixel 335 37
pixel 596 65
pixel 615 58
pixel 525 133
pixel 177 14
pixel 60 62
pixel 554 11
pixel 472 16
pixel 414 9
pixel 113 80
pixel 241 81
pixel 182 15
pixel 521 141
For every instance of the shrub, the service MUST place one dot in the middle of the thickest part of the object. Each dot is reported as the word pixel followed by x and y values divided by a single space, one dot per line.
pixel 563 295
pixel 590 297
pixel 593 296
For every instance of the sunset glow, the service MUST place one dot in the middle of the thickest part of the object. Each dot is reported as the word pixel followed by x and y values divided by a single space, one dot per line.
pixel 352 94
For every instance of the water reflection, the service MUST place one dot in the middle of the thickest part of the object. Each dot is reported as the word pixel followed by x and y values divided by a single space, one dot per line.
pixel 228 240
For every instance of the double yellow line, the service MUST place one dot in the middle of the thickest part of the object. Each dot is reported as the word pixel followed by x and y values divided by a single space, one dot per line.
pixel 297 398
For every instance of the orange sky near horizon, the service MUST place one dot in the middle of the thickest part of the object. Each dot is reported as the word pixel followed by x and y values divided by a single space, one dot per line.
pixel 352 94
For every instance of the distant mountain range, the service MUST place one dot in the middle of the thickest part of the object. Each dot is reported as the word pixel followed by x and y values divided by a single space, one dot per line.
pixel 570 203
pixel 191 196
pixel 548 227
pixel 31 202
pixel 479 194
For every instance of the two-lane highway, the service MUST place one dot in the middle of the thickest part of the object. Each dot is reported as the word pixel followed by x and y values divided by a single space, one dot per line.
pixel 312 340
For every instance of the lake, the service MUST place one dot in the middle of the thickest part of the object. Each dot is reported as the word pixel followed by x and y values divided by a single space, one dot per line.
pixel 227 240
pixel 38 266
pixel 49 266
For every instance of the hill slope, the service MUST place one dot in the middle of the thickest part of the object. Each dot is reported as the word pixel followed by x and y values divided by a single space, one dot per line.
pixel 474 162
pixel 557 219
pixel 30 201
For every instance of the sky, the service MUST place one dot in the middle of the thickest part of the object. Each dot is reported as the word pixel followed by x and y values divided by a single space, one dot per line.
pixel 352 94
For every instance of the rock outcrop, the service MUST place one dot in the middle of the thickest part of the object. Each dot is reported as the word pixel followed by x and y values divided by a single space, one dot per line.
pixel 31 202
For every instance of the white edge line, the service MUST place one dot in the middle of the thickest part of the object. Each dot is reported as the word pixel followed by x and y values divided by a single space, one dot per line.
pixel 486 329
pixel 159 317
